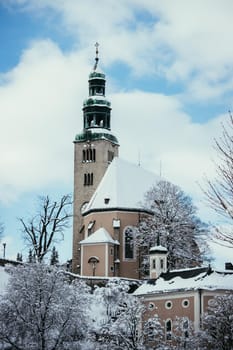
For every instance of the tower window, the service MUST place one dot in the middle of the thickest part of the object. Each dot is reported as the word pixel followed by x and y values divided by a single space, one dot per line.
pixel 110 156
pixel 88 179
pixel 89 155
pixel 84 155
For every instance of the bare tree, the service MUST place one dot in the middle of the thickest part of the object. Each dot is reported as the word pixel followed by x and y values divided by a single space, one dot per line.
pixel 48 225
pixel 219 192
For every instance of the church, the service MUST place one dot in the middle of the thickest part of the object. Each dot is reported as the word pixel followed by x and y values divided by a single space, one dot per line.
pixel 108 193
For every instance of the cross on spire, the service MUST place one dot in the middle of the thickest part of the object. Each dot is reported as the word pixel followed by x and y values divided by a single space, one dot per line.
pixel 96 55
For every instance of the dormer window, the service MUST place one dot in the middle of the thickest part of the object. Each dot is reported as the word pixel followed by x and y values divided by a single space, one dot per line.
pixel 106 200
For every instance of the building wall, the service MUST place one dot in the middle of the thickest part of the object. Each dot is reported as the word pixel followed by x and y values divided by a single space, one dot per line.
pixel 127 267
pixel 157 304
pixel 82 192
pixel 103 253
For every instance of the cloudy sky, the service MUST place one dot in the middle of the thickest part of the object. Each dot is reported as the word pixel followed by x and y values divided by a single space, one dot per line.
pixel 169 78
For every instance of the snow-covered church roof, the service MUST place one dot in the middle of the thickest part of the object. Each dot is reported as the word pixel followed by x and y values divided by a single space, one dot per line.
pixel 99 236
pixel 123 186
pixel 188 279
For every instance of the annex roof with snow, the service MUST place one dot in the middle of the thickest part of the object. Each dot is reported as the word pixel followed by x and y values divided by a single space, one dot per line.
pixel 158 249
pixel 188 279
pixel 123 187
pixel 99 236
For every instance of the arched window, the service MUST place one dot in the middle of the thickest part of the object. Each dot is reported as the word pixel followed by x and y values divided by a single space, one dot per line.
pixel 129 243
pixel 91 180
pixel 90 151
pixel 93 155
pixel 168 329
pixel 88 179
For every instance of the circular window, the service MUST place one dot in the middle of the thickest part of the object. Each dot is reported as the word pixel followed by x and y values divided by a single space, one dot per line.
pixel 151 306
pixel 185 303
pixel 168 304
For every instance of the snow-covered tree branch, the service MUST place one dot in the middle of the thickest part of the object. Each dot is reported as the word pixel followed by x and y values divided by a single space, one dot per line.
pixel 42 311
pixel 173 223
pixel 219 192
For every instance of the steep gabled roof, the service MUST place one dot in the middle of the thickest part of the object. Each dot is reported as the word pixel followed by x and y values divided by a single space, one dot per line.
pixel 122 187
pixel 99 236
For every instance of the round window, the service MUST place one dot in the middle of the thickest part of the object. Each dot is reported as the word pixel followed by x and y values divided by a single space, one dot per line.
pixel 185 303
pixel 168 304
pixel 151 306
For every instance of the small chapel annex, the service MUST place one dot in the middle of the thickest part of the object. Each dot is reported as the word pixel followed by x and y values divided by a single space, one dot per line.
pixel 108 193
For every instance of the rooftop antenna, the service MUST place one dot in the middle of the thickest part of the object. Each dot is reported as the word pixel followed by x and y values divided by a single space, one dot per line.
pixel 96 56
pixel 139 158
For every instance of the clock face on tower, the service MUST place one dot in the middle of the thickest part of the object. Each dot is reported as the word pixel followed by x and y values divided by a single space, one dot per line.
pixel 83 207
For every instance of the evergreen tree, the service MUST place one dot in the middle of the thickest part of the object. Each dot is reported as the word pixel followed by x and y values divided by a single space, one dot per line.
pixel 31 256
pixel 19 257
pixel 54 259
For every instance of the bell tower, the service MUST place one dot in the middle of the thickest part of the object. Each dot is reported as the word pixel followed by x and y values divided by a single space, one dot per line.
pixel 94 149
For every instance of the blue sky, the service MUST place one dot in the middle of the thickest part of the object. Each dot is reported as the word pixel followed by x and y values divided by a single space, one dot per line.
pixel 169 78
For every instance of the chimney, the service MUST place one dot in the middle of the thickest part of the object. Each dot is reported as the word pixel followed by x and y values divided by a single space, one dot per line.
pixel 228 266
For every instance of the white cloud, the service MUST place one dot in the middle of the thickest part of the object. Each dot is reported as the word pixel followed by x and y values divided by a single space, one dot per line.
pixel 155 126
pixel 40 110
pixel 185 41
pixel 40 102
